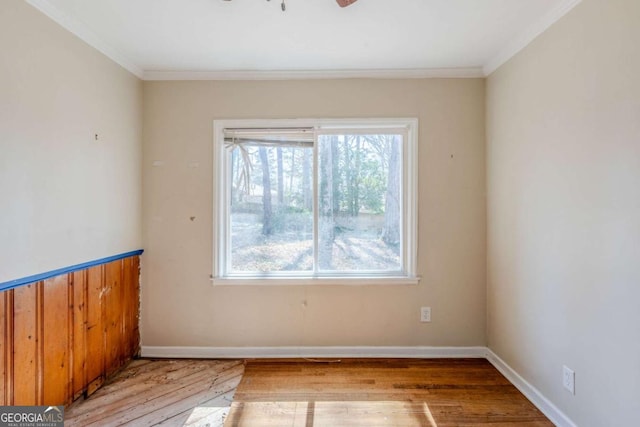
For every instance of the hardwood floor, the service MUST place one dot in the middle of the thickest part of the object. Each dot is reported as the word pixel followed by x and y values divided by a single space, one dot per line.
pixel 161 392
pixel 434 392
pixel 349 392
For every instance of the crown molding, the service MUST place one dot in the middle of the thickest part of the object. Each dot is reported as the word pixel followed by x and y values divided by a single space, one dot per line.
pixel 427 73
pixel 523 39
pixel 85 34
pixel 512 48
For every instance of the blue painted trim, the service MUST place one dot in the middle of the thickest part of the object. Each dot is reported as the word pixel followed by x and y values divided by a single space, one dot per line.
pixel 43 276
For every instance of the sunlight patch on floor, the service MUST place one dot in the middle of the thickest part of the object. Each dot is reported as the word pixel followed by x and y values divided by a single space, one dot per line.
pixel 207 417
pixel 326 413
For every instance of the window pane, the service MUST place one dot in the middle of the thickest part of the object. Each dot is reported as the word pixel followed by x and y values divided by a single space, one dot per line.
pixel 359 202
pixel 271 208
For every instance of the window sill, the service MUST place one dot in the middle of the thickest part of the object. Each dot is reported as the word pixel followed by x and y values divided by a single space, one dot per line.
pixel 306 281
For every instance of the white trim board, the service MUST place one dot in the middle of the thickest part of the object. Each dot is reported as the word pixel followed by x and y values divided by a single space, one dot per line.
pixel 411 352
pixel 306 352
pixel 423 73
pixel 515 45
pixel 545 406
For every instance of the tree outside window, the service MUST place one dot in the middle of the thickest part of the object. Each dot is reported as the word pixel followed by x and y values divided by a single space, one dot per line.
pixel 330 202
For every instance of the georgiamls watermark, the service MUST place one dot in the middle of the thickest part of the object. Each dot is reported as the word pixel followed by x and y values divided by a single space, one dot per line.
pixel 31 416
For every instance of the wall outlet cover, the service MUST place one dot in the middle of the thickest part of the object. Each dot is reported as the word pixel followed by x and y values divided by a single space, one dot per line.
pixel 569 379
pixel 425 314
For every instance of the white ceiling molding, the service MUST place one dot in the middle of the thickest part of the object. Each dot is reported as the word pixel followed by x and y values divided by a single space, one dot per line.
pixel 523 39
pixel 516 44
pixel 84 33
pixel 432 73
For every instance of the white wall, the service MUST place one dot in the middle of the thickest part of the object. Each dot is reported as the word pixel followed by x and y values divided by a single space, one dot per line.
pixel 181 308
pixel 65 198
pixel 563 155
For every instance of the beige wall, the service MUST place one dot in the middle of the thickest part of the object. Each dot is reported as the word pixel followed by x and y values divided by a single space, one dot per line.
pixel 65 198
pixel 180 307
pixel 563 181
pixel 563 154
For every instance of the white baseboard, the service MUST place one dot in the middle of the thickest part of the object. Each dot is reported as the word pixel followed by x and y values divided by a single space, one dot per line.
pixel 533 394
pixel 294 352
pixel 538 399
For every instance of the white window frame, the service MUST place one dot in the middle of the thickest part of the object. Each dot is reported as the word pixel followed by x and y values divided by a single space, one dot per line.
pixel 221 197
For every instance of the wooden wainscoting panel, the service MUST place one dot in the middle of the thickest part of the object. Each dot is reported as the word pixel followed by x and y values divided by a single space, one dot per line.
pixel 26 378
pixel 61 338
pixel 114 308
pixel 132 303
pixel 8 347
pixel 3 348
pixel 57 333
pixel 79 339
pixel 95 331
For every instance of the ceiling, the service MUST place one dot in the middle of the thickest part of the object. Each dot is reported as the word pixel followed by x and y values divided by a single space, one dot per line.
pixel 175 39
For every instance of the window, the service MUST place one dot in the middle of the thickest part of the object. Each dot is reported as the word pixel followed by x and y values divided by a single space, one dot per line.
pixel 319 201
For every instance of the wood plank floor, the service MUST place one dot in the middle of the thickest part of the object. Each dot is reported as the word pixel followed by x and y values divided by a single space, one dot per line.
pixel 161 392
pixel 434 392
pixel 349 392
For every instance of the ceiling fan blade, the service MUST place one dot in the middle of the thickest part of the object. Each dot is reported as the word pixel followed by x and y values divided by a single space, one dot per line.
pixel 345 3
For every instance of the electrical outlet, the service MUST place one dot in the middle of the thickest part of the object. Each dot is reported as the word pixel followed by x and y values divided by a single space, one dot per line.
pixel 425 314
pixel 569 379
